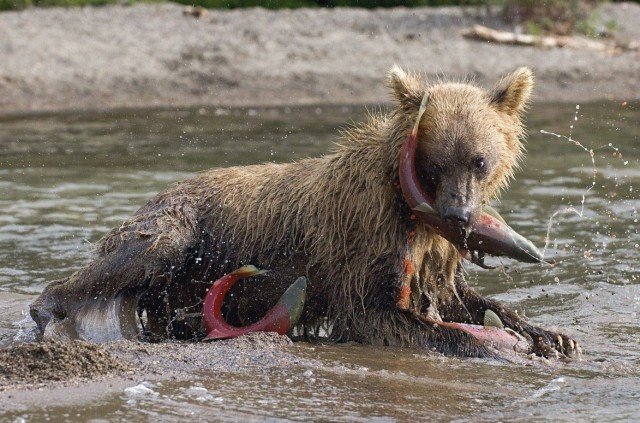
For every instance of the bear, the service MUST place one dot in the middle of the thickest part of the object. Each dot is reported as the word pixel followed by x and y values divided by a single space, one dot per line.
pixel 376 274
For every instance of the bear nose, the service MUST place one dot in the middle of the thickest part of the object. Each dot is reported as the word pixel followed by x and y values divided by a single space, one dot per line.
pixel 459 215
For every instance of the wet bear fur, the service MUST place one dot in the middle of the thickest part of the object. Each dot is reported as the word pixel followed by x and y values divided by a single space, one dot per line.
pixel 376 274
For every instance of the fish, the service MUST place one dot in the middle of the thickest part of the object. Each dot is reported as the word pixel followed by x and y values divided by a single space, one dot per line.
pixel 280 319
pixel 488 234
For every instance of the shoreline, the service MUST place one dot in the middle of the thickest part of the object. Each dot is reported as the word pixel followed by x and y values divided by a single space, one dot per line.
pixel 152 56
pixel 79 372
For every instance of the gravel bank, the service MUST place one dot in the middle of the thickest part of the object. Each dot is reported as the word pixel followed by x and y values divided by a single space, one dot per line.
pixel 151 55
pixel 32 364
pixel 76 372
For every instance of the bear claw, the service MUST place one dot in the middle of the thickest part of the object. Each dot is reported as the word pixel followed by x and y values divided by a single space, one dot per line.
pixel 550 344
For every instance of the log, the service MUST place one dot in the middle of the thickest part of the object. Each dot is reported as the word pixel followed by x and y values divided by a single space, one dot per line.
pixel 483 33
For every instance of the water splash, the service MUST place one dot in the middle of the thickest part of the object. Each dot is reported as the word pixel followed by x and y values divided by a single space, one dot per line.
pixel 591 152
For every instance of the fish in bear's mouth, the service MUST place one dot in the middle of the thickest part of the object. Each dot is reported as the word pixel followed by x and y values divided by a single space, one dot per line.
pixel 487 234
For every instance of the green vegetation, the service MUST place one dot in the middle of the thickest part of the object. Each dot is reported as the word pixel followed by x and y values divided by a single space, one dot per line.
pixel 23 4
pixel 536 17
pixel 562 17
pixel 269 4
pixel 231 4
pixel 14 4
pixel 278 4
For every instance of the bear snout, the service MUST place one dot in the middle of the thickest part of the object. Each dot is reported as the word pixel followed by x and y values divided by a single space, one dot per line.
pixel 457 215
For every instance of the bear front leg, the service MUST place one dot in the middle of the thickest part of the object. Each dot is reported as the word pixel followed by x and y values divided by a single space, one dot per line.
pixel 404 328
pixel 543 342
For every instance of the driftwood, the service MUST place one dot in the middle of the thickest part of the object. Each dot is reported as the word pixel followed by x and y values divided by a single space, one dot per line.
pixel 483 33
pixel 197 11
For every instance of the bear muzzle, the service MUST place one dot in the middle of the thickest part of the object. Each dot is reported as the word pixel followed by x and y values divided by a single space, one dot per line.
pixel 457 215
pixel 474 234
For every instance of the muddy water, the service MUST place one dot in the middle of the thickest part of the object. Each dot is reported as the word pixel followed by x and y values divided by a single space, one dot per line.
pixel 65 180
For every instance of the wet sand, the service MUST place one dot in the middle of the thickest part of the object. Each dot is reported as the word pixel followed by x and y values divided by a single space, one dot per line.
pixel 78 373
pixel 151 55
pixel 75 372
pixel 33 364
pixel 30 365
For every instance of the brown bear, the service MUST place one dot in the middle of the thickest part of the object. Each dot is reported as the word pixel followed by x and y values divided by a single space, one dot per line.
pixel 376 274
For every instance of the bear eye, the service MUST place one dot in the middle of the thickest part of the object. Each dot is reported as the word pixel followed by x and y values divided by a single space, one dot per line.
pixel 479 163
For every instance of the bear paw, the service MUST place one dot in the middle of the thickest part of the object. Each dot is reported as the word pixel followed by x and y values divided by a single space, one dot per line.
pixel 552 344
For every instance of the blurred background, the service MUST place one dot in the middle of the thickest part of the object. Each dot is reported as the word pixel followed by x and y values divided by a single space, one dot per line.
pixel 103 55
pixel 278 4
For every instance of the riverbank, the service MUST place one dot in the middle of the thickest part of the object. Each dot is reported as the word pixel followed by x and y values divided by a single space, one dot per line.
pixel 76 373
pixel 153 55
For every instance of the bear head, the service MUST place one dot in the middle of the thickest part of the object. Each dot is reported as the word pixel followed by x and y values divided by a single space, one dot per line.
pixel 469 139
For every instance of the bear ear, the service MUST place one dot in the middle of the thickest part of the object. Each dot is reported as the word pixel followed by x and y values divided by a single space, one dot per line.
pixel 511 94
pixel 406 88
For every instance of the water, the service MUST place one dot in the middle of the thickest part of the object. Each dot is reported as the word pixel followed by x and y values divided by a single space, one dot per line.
pixel 65 180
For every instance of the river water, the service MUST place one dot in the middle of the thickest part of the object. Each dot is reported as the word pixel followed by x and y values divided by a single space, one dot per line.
pixel 66 179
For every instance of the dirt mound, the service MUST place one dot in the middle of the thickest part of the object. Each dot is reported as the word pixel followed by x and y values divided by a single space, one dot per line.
pixel 259 340
pixel 55 361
